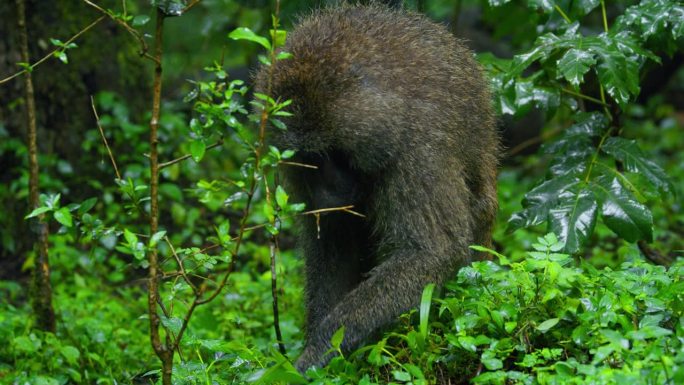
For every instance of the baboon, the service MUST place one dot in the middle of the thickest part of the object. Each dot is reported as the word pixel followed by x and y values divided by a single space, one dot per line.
pixel 396 115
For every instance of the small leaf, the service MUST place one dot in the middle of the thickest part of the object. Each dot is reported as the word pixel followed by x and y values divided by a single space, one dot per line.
pixel 244 33
pixel 197 150
pixel 62 56
pixel 281 196
pixel 157 237
pixel 131 238
pixel 336 340
pixel 63 216
pixel 140 20
pixel 548 324
pixel 86 205
pixel 70 353
pixel 37 211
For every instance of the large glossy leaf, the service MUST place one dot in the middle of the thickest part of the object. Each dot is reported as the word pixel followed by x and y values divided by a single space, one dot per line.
pixel 574 218
pixel 540 200
pixel 621 211
pixel 618 75
pixel 629 153
pixel 574 64
pixel 652 17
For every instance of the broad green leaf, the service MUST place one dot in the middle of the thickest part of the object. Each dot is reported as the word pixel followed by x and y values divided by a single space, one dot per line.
pixel 548 324
pixel 618 75
pixel 401 375
pixel 70 353
pixel 540 200
pixel 629 153
pixel 574 218
pixel 621 211
pixel 63 216
pixel 197 149
pixel 244 33
pixel 574 64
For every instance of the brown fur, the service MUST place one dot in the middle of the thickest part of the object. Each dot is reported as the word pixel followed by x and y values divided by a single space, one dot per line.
pixel 396 114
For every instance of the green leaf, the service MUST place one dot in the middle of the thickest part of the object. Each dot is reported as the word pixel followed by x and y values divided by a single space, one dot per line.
pixel 63 216
pixel 70 353
pixel 629 153
pixel 37 211
pixel 425 302
pixel 62 56
pixel 244 33
pixel 622 213
pixel 281 197
pixel 140 20
pixel 131 238
pixel 157 237
pixel 279 37
pixel 197 149
pixel 548 324
pixel 401 375
pixel 618 75
pixel 336 340
pixel 574 218
pixel 86 205
pixel 540 200
pixel 574 64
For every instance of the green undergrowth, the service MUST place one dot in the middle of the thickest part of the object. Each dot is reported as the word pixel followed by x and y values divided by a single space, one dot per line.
pixel 547 320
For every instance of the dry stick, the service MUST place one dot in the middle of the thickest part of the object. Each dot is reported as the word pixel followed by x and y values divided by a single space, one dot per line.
pixel 41 296
pixel 104 139
pixel 186 156
pixel 162 350
pixel 44 58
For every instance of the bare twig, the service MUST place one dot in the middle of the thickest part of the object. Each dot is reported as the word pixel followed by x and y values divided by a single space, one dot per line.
pixel 190 5
pixel 654 255
pixel 134 32
pixel 104 139
pixel 297 164
pixel 187 156
pixel 49 55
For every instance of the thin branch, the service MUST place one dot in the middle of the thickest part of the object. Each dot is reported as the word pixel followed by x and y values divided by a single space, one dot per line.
pixel 180 265
pixel 190 5
pixel 187 156
pixel 49 55
pixel 104 139
pixel 41 290
pixel 134 32
pixel 161 349
pixel 297 164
